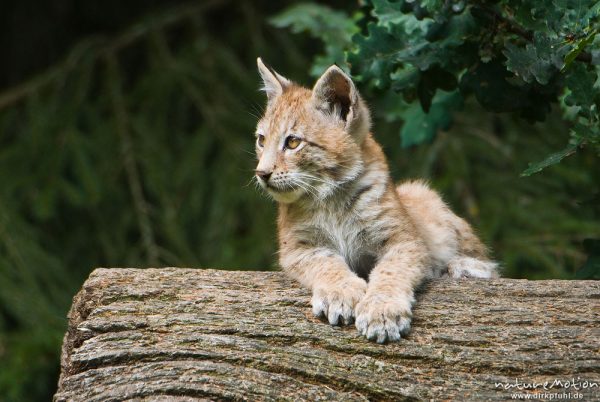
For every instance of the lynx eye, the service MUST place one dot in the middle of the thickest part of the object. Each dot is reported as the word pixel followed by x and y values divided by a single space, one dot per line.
pixel 261 140
pixel 292 142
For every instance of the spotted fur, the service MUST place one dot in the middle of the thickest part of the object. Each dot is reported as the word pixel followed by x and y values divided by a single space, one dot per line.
pixel 346 232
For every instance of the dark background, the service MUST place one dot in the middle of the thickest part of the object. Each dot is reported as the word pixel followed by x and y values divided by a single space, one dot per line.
pixel 126 139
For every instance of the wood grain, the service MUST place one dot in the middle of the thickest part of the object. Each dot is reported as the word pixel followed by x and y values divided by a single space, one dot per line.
pixel 194 334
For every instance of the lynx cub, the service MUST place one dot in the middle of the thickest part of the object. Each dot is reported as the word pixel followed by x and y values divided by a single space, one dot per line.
pixel 361 244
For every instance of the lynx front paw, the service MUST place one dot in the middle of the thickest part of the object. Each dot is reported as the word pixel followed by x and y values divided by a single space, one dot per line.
pixel 383 318
pixel 336 302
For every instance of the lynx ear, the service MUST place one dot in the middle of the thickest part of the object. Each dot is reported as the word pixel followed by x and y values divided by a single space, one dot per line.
pixel 273 83
pixel 335 94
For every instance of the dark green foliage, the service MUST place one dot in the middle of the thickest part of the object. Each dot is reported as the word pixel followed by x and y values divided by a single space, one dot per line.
pixel 137 151
pixel 513 56
pixel 421 126
pixel 333 27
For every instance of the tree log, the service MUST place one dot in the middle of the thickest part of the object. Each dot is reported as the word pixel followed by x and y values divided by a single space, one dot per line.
pixel 187 334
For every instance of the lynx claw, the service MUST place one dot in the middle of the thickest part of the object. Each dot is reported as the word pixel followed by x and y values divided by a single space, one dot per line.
pixel 336 303
pixel 383 320
pixel 386 331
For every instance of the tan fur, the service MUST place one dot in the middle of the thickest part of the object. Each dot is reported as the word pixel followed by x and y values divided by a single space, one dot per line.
pixel 345 232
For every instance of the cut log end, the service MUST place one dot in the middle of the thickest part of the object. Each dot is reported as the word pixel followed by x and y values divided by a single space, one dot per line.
pixel 186 334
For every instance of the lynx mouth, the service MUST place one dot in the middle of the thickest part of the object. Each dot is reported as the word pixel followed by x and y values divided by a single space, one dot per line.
pixel 288 188
pixel 286 195
pixel 271 187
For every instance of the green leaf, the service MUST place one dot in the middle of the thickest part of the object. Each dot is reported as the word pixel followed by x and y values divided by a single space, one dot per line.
pixel 420 127
pixel 554 158
pixel 592 13
pixel 388 13
pixel 580 81
pixel 586 133
pixel 539 60
pixel 375 57
pixel 581 44
pixel 523 62
pixel 334 28
pixel 445 46
pixel 318 20
pixel 432 5
pixel 407 77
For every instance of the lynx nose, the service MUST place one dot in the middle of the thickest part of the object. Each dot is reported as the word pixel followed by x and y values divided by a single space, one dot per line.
pixel 264 174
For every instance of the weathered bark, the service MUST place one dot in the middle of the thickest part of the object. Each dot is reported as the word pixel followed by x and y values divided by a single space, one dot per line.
pixel 183 334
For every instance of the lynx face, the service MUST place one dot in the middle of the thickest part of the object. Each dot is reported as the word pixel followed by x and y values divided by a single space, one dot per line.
pixel 306 144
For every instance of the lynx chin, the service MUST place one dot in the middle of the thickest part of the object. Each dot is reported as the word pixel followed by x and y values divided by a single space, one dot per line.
pixel 360 243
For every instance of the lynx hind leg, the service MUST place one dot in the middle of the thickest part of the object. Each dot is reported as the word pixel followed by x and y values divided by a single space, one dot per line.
pixel 469 267
pixel 434 222
pixel 472 260
pixel 453 245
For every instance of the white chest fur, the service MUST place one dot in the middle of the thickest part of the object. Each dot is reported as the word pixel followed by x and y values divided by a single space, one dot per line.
pixel 345 233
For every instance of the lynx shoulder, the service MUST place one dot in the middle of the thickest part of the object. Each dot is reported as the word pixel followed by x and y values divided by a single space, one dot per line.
pixel 361 244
